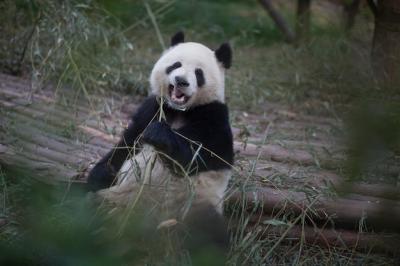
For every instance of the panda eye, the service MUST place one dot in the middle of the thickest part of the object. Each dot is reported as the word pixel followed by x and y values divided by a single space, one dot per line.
pixel 173 67
pixel 199 77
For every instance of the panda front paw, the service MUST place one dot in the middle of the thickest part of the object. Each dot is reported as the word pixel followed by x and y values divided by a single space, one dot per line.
pixel 101 176
pixel 157 135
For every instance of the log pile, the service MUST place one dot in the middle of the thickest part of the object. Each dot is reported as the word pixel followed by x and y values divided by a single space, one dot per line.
pixel 287 161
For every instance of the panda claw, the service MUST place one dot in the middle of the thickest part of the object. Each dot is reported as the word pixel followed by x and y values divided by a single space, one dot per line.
pixel 100 177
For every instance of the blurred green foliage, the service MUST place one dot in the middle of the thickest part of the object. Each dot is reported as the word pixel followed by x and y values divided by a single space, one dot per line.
pixel 375 141
pixel 52 230
pixel 74 43
pixel 240 21
pixel 111 45
pixel 62 225
pixel 211 20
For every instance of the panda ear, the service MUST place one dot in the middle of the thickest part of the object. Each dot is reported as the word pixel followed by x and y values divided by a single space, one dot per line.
pixel 224 55
pixel 178 38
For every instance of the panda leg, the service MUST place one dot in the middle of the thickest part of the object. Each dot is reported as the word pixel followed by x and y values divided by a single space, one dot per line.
pixel 205 223
pixel 206 232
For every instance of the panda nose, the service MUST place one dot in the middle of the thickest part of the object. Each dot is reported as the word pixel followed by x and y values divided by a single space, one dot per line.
pixel 181 82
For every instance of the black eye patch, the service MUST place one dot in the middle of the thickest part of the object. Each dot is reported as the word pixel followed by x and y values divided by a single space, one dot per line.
pixel 173 67
pixel 199 77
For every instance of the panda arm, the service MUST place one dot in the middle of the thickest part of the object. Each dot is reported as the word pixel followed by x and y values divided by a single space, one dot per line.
pixel 105 171
pixel 207 130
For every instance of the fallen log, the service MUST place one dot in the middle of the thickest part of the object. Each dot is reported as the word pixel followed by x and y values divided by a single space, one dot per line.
pixel 51 154
pixel 35 166
pixel 280 154
pixel 97 133
pixel 380 215
pixel 329 238
pixel 323 178
pixel 372 190
pixel 52 126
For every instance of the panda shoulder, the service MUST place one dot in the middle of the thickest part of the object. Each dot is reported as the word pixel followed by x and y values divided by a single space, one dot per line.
pixel 216 111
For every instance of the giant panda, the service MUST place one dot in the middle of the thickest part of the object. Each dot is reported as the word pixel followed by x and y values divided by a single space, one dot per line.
pixel 178 149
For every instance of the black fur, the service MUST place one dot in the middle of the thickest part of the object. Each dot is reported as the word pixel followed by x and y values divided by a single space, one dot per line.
pixel 224 55
pixel 199 77
pixel 104 173
pixel 207 125
pixel 181 82
pixel 205 231
pixel 178 38
pixel 173 67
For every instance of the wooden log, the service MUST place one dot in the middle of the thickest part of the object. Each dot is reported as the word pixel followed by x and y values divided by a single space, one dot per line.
pixel 97 133
pixel 105 125
pixel 46 108
pixel 350 11
pixel 100 142
pixel 39 117
pixel 320 145
pixel 294 131
pixel 311 157
pixel 303 19
pixel 22 97
pixel 329 238
pixel 54 125
pixel 35 166
pixel 380 191
pixel 280 154
pixel 323 178
pixel 275 153
pixel 345 213
pixel 278 113
pixel 53 155
pixel 45 138
pixel 298 125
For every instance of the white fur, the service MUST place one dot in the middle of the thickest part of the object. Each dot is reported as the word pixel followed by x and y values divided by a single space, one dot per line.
pixel 192 55
pixel 165 187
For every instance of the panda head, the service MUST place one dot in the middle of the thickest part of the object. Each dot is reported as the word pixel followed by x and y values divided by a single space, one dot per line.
pixel 190 74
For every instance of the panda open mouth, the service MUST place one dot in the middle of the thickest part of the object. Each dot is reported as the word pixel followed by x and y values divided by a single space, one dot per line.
pixel 177 96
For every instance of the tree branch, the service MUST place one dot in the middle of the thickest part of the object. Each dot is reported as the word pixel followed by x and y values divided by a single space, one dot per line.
pixel 278 19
